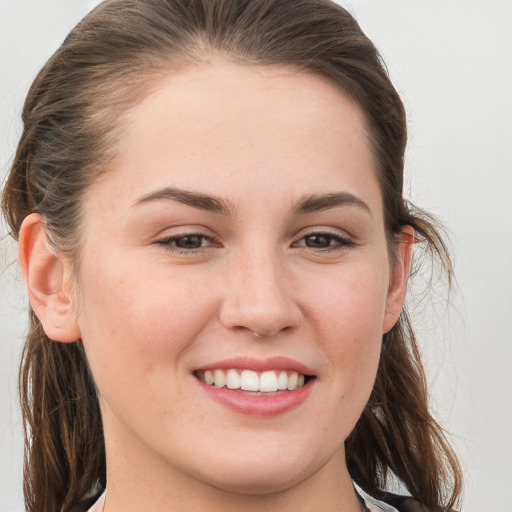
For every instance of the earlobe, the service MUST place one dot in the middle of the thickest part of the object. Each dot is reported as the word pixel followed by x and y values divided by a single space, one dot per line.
pixel 45 280
pixel 398 282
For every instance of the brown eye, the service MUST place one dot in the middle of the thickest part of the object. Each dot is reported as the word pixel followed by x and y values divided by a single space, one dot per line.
pixel 187 244
pixel 324 241
pixel 318 241
pixel 189 241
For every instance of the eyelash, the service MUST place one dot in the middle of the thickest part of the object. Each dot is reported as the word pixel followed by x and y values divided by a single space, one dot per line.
pixel 341 242
pixel 167 243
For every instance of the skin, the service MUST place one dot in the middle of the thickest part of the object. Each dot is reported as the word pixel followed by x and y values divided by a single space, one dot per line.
pixel 261 140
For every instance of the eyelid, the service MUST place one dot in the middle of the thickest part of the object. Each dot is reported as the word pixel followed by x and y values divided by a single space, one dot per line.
pixel 178 230
pixel 344 240
pixel 165 241
pixel 324 230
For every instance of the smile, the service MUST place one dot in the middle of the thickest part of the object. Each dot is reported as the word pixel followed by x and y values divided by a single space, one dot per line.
pixel 257 388
pixel 259 383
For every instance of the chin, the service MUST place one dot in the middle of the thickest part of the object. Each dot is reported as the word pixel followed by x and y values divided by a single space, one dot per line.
pixel 262 472
pixel 264 482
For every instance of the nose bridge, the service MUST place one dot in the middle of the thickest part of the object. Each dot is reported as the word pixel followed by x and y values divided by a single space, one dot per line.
pixel 261 274
pixel 259 295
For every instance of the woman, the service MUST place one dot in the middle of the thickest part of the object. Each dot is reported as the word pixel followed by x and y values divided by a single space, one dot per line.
pixel 208 200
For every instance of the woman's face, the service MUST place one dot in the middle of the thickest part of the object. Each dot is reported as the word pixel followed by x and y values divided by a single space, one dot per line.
pixel 239 237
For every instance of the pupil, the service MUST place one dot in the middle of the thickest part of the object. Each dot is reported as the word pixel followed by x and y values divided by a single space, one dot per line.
pixel 318 241
pixel 189 242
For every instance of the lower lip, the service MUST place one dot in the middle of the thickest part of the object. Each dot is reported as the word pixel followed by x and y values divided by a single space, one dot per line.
pixel 263 405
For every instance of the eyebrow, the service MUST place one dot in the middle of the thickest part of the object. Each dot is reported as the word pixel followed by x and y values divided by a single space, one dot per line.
pixel 319 202
pixel 194 199
pixel 309 204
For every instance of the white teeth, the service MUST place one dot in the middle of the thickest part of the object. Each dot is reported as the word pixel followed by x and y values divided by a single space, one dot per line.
pixel 232 379
pixel 249 381
pixel 293 381
pixel 266 382
pixel 282 381
pixel 208 377
pixel 220 378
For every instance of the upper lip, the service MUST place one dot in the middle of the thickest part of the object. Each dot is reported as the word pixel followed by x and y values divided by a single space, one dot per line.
pixel 259 365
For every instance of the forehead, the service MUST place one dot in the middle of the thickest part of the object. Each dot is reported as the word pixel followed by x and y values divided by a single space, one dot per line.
pixel 223 128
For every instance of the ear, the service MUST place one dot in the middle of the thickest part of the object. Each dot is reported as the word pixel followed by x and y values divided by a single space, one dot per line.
pixel 399 276
pixel 45 280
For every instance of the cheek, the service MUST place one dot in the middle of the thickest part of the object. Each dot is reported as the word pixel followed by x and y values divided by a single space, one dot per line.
pixel 134 322
pixel 349 315
pixel 351 305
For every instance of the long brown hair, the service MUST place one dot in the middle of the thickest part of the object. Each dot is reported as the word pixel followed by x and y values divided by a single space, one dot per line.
pixel 72 119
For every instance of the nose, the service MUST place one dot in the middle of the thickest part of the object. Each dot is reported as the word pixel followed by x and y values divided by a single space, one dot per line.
pixel 259 296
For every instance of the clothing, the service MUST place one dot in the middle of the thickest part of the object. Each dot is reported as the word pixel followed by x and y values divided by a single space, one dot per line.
pixel 393 503
pixel 371 504
pixel 98 504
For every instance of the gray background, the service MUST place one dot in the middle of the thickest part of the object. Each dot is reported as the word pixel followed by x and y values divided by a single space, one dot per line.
pixel 452 63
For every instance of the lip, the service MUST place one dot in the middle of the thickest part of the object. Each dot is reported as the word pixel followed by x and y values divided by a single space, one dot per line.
pixel 263 406
pixel 259 365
